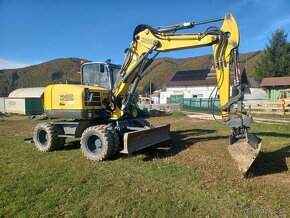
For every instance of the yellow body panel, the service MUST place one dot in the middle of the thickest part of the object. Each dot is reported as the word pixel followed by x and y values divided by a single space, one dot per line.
pixel 70 97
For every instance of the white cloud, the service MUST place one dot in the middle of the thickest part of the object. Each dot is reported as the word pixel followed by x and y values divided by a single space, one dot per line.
pixel 11 64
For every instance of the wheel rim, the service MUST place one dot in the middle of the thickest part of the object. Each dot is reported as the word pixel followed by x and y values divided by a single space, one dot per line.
pixel 42 137
pixel 94 145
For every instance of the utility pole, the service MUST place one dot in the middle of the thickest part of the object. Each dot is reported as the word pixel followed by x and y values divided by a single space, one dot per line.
pixel 150 91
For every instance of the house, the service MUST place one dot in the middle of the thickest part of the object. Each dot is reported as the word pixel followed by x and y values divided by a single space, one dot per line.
pixel 274 85
pixel 197 84
pixel 189 84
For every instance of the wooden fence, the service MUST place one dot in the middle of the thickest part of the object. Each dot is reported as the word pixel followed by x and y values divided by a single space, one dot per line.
pixel 268 106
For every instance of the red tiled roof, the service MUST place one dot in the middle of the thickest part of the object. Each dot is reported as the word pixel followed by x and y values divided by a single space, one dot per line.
pixel 193 78
pixel 276 81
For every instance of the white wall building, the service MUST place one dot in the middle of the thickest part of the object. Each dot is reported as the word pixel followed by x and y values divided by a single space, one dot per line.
pixel 2 105
pixel 190 84
pixel 257 94
pixel 199 91
pixel 198 84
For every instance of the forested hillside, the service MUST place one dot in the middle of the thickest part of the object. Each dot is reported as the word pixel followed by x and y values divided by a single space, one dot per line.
pixel 55 71
pixel 65 69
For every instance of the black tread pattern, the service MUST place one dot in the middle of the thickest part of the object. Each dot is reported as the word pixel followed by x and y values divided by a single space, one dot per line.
pixel 106 139
pixel 52 139
pixel 115 138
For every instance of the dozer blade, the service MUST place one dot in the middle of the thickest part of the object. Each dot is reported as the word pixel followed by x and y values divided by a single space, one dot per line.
pixel 136 140
pixel 245 150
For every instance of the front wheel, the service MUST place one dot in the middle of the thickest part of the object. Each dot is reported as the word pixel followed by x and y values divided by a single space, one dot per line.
pixel 96 143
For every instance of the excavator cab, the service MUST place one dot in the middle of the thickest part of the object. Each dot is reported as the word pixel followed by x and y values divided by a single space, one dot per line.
pixel 102 74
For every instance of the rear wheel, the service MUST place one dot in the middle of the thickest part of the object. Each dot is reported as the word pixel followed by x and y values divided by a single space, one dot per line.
pixel 45 137
pixel 96 143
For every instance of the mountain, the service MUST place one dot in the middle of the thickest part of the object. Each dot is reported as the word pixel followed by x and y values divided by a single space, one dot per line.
pixel 65 70
pixel 55 71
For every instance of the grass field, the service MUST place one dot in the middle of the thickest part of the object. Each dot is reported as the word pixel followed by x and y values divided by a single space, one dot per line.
pixel 192 175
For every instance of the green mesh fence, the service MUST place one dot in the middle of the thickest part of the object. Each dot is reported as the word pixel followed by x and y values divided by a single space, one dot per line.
pixel 202 104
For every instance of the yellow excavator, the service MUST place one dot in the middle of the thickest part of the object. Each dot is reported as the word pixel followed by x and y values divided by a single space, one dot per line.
pixel 100 110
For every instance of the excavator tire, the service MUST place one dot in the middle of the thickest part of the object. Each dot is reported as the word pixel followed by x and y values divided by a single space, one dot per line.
pixel 45 137
pixel 97 143
pixel 115 138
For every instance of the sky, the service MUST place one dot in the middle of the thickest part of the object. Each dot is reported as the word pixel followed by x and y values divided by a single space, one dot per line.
pixel 35 31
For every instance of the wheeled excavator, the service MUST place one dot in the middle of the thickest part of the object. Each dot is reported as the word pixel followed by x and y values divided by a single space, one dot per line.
pixel 100 110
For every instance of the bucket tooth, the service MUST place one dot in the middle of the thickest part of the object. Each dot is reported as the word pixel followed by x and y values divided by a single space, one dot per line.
pixel 137 140
pixel 245 150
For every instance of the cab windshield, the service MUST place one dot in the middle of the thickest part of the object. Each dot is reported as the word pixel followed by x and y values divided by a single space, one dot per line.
pixel 96 74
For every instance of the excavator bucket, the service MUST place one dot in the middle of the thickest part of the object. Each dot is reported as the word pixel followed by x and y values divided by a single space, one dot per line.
pixel 137 140
pixel 245 150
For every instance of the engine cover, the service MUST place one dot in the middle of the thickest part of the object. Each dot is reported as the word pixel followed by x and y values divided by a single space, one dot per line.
pixel 75 101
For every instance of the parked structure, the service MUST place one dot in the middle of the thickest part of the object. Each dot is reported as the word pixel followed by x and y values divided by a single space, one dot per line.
pixel 24 101
pixel 2 105
pixel 274 85
pixel 256 94
pixel 155 97
pixel 189 84
pixel 196 85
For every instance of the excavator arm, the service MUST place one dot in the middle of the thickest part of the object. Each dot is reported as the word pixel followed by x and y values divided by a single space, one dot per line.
pixel 146 40
pixel 244 147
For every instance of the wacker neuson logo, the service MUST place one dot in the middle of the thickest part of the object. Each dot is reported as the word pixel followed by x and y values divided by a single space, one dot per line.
pixel 67 97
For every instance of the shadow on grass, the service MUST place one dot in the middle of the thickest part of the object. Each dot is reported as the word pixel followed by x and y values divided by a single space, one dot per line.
pixel 273 134
pixel 270 162
pixel 180 140
pixel 266 163
pixel 71 145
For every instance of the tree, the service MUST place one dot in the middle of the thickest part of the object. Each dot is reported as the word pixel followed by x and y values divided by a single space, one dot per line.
pixel 275 61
